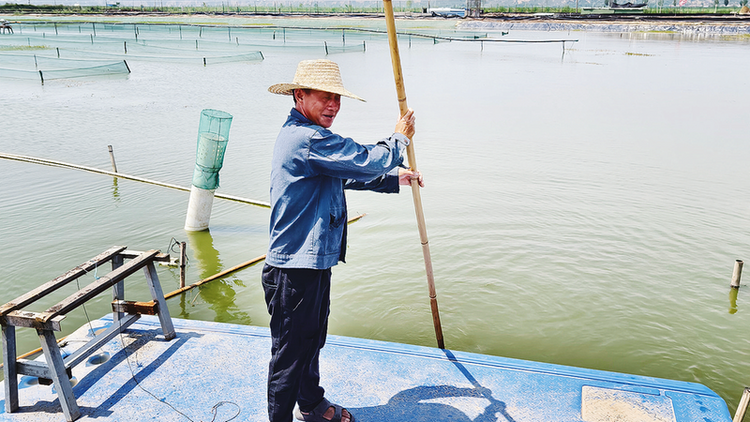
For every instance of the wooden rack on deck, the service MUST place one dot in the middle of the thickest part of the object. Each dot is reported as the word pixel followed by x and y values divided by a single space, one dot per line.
pixel 58 369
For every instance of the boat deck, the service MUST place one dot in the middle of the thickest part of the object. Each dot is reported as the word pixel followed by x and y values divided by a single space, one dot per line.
pixel 216 371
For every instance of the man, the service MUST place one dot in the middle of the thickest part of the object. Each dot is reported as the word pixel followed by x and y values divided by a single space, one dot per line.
pixel 310 169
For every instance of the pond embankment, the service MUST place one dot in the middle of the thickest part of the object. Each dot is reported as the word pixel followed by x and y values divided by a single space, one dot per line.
pixel 734 24
pixel 704 24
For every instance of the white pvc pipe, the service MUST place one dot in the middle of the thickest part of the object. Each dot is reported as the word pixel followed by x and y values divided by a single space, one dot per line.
pixel 736 274
pixel 199 209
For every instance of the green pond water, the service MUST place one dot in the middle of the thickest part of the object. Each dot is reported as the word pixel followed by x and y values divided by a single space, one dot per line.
pixel 585 206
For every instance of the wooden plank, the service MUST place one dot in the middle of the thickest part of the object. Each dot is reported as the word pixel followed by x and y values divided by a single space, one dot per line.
pixel 28 319
pixel 131 254
pixel 152 278
pixel 9 368
pixel 101 339
pixel 80 297
pixel 42 370
pixel 118 290
pixel 60 281
pixel 130 307
pixel 33 368
pixel 59 375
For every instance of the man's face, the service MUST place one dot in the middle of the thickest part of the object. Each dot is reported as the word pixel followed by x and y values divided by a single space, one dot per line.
pixel 319 107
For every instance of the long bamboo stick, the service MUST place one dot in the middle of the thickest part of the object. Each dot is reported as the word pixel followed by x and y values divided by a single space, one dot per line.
pixel 401 92
pixel 214 277
pixel 55 163
pixel 232 270
pixel 194 285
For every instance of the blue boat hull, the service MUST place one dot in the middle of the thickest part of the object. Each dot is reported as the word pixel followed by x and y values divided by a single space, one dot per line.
pixel 223 367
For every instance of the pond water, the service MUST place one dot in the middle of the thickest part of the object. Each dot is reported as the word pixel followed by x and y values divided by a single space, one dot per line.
pixel 585 206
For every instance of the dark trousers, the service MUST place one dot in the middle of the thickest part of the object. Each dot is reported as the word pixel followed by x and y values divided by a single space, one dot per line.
pixel 298 301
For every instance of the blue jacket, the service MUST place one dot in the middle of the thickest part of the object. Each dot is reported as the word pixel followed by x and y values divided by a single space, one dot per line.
pixel 310 169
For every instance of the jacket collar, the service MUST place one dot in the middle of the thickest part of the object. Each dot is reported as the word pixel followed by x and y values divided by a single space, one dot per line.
pixel 295 115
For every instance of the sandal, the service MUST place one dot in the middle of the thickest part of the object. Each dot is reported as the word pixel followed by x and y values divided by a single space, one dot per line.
pixel 316 415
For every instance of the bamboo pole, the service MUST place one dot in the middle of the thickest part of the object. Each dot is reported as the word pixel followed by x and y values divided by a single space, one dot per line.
pixel 112 156
pixel 231 270
pixel 742 408
pixel 54 163
pixel 183 289
pixel 403 108
pixel 183 259
pixel 214 277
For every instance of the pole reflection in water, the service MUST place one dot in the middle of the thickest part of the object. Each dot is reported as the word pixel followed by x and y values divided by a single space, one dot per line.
pixel 219 294
pixel 115 190
pixel 733 300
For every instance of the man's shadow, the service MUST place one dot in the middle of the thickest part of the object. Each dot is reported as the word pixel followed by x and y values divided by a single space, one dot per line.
pixel 413 405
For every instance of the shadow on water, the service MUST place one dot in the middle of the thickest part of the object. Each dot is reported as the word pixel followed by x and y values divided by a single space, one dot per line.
pixel 218 294
pixel 415 403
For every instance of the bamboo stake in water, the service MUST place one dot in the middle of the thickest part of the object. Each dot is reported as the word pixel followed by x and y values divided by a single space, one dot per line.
pixel 403 108
pixel 183 259
pixel 112 158
pixel 742 408
pixel 44 161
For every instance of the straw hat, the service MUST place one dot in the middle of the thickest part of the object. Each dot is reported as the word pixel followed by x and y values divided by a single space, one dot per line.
pixel 321 75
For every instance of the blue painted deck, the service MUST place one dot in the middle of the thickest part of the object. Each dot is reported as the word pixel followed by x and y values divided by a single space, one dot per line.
pixel 211 363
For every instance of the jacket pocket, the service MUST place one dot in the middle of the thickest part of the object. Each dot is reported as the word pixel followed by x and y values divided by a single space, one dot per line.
pixel 336 218
pixel 334 231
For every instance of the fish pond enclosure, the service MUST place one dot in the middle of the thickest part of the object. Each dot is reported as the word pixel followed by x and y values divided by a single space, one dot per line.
pixel 76 50
pixel 586 200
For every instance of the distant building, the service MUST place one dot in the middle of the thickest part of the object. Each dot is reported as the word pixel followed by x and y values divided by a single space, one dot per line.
pixel 447 12
pixel 474 8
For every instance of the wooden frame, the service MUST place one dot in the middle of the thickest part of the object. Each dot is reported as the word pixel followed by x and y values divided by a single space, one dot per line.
pixel 57 368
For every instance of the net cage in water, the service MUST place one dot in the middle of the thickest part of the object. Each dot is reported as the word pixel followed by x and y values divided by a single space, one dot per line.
pixel 116 68
pixel 16 65
pixel 78 50
pixel 60 51
pixel 334 49
pixel 213 136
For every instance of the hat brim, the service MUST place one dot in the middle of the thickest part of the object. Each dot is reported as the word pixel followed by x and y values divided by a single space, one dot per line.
pixel 286 89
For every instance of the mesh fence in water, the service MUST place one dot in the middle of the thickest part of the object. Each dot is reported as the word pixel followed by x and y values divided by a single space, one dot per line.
pixel 333 49
pixel 74 50
pixel 116 68
pixel 38 67
pixel 60 57
pixel 61 51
